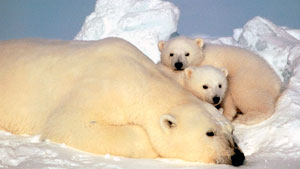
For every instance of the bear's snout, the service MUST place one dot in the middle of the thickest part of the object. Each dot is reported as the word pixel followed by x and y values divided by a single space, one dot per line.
pixel 216 99
pixel 178 65
pixel 237 158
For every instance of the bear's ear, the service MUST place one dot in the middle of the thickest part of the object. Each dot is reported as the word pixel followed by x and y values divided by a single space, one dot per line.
pixel 200 42
pixel 225 71
pixel 161 45
pixel 167 122
pixel 188 72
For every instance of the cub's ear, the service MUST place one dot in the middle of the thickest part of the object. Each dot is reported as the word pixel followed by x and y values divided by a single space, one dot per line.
pixel 161 45
pixel 167 123
pixel 200 42
pixel 188 72
pixel 225 71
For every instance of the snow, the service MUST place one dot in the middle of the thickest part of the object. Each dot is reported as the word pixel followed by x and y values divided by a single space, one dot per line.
pixel 266 39
pixel 272 144
pixel 141 22
pixel 279 136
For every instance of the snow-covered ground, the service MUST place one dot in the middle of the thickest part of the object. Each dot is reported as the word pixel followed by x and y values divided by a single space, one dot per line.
pixel 272 144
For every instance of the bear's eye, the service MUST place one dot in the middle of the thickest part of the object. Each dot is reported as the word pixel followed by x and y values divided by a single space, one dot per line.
pixel 187 54
pixel 210 133
pixel 205 87
pixel 171 54
pixel 220 86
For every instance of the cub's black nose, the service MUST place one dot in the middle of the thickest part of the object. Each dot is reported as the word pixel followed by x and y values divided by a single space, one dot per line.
pixel 216 100
pixel 237 158
pixel 178 65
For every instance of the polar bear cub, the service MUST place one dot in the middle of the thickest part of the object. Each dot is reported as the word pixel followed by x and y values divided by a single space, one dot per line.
pixel 253 86
pixel 173 55
pixel 208 83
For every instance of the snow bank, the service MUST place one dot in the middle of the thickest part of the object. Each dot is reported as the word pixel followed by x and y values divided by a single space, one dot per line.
pixel 279 136
pixel 141 22
pixel 272 42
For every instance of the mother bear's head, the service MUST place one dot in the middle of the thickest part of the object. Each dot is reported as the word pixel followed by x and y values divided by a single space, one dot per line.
pixel 195 132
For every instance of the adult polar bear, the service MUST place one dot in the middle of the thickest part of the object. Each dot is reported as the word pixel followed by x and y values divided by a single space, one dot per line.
pixel 253 86
pixel 106 97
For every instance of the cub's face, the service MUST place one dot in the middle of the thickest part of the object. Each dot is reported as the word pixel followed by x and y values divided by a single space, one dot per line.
pixel 180 52
pixel 190 132
pixel 207 83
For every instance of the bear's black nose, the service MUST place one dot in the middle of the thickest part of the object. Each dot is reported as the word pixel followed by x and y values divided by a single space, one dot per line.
pixel 216 99
pixel 178 65
pixel 237 158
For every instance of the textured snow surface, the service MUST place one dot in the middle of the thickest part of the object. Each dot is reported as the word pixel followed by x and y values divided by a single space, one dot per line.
pixel 272 42
pixel 272 144
pixel 141 22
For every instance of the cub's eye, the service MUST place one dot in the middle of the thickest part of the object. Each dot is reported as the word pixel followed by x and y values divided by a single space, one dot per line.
pixel 171 54
pixel 187 54
pixel 220 86
pixel 205 87
pixel 210 133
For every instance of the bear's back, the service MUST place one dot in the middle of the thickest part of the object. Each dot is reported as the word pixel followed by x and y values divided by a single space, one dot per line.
pixel 38 76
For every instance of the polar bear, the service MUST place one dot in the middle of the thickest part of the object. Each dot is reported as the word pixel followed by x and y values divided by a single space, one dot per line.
pixel 107 97
pixel 207 82
pixel 253 86
pixel 180 52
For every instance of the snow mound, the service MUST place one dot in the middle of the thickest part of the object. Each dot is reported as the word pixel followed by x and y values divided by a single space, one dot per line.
pixel 279 136
pixel 272 42
pixel 141 22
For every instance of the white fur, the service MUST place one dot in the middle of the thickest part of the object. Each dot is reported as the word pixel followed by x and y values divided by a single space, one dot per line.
pixel 105 97
pixel 200 77
pixel 194 78
pixel 253 86
pixel 172 53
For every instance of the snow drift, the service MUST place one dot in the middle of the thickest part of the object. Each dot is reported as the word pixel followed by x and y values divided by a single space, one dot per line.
pixel 272 42
pixel 141 22
pixel 273 144
pixel 279 136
